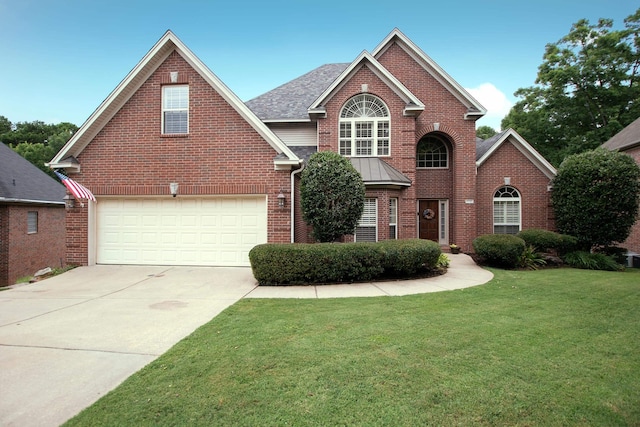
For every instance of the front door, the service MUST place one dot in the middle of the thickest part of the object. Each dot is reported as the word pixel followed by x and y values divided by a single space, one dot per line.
pixel 428 219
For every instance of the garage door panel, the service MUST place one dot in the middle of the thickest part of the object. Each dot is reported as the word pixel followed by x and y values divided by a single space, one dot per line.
pixel 180 231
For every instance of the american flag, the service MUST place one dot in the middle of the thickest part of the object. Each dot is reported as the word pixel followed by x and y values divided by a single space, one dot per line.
pixel 78 190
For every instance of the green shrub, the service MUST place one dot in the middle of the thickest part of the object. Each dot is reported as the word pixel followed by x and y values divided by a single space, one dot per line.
pixel 567 244
pixel 409 256
pixel 301 263
pixel 542 240
pixel 591 261
pixel 499 250
pixel 618 254
pixel 531 259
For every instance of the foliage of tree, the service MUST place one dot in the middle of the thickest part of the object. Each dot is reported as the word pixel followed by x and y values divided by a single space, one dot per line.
pixel 485 132
pixel 332 196
pixel 596 196
pixel 587 89
pixel 36 141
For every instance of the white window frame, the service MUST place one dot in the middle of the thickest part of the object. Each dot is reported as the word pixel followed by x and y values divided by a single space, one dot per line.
pixel 426 139
pixel 505 217
pixel 368 220
pixel 364 128
pixel 393 218
pixel 175 99
pixel 32 222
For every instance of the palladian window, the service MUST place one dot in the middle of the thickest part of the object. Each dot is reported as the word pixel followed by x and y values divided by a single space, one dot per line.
pixel 364 127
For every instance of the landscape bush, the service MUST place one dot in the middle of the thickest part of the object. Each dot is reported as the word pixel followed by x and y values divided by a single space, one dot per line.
pixel 313 263
pixel 591 261
pixel 408 257
pixel 499 250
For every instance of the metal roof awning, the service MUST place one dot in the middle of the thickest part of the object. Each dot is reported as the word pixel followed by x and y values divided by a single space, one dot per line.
pixel 376 172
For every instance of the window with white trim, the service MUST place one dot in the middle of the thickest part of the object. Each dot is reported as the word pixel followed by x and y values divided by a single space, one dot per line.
pixel 506 211
pixel 393 218
pixel 432 153
pixel 364 127
pixel 367 229
pixel 175 109
pixel 32 222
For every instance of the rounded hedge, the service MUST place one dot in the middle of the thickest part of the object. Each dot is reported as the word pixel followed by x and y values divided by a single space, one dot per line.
pixel 307 263
pixel 499 250
pixel 545 240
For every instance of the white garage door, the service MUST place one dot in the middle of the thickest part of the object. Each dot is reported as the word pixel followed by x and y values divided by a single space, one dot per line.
pixel 180 231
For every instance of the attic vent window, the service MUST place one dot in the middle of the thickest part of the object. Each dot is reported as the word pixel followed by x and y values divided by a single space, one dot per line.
pixel 175 109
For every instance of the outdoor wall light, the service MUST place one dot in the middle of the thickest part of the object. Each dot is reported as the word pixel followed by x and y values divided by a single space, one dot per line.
pixel 173 187
pixel 281 200
pixel 69 201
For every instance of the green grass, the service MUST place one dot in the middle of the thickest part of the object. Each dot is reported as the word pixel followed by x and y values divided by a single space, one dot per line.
pixel 531 348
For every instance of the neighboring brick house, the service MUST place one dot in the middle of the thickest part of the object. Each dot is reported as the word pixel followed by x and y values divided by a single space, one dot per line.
pixel 406 125
pixel 32 218
pixel 628 141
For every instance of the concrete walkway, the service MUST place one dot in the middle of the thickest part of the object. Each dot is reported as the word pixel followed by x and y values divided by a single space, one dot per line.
pixel 68 340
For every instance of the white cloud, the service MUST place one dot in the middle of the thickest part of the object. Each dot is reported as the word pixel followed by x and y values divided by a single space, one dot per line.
pixel 494 101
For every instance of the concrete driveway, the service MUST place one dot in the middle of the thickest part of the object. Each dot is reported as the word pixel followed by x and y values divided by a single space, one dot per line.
pixel 58 335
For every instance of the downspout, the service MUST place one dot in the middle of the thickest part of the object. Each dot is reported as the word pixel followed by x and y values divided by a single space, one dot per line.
pixel 293 199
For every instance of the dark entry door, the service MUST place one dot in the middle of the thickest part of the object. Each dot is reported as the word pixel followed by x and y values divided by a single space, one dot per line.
pixel 428 222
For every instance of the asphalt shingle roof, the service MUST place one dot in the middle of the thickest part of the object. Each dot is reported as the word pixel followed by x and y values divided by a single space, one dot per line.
pixel 482 146
pixel 20 181
pixel 626 138
pixel 292 100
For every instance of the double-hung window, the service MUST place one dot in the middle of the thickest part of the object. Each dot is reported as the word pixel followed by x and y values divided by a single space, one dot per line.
pixel 506 211
pixel 367 229
pixel 32 222
pixel 364 127
pixel 175 109
pixel 393 218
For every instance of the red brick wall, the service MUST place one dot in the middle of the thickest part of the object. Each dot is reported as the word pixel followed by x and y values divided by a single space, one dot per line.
pixel 532 184
pixel 21 253
pixel 445 114
pixel 222 154
pixel 633 241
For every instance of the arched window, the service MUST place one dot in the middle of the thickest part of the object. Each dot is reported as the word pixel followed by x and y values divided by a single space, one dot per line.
pixel 506 211
pixel 432 153
pixel 364 127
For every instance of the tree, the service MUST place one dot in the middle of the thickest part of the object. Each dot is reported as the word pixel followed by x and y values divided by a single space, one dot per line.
pixel 36 141
pixel 485 132
pixel 586 91
pixel 596 196
pixel 332 196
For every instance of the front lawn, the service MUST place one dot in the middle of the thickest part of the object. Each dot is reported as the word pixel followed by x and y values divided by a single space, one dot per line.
pixel 548 347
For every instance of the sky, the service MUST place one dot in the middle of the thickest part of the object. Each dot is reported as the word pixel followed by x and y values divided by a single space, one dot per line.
pixel 62 58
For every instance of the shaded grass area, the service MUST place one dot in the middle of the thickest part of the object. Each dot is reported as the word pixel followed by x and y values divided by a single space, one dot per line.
pixel 548 347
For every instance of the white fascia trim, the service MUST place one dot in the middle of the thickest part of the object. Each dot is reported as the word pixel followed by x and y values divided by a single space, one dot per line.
pixel 35 202
pixel 525 148
pixel 377 68
pixel 287 121
pixel 427 63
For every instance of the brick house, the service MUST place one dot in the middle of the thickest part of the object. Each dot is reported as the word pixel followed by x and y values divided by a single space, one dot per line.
pixel 32 218
pixel 405 124
pixel 628 141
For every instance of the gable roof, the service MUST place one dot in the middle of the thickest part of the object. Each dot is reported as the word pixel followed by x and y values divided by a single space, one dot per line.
pixel 474 109
pixel 485 148
pixel 290 102
pixel 414 105
pixel 137 77
pixel 22 182
pixel 627 138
